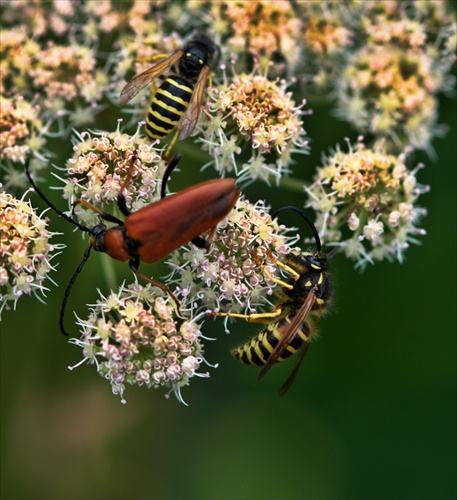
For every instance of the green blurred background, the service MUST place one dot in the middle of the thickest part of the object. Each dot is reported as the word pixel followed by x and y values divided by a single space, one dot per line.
pixel 371 415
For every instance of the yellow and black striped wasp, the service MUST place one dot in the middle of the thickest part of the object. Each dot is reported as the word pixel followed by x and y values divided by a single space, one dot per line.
pixel 179 98
pixel 307 292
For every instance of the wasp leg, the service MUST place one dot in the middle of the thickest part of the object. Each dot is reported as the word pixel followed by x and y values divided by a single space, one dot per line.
pixel 153 58
pixel 277 280
pixel 210 79
pixel 153 92
pixel 255 317
pixel 288 269
pixel 166 156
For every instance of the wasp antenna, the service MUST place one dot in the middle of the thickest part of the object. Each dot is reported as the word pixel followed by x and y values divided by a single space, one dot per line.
pixel 45 199
pixel 166 176
pixel 307 219
pixel 69 287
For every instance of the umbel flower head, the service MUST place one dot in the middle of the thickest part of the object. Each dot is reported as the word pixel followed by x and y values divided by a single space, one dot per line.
pixel 327 40
pixel 100 165
pixel 229 276
pixel 323 32
pixel 55 17
pixel 25 250
pixel 262 28
pixel 19 127
pixel 62 78
pixel 135 337
pixel 390 93
pixel 258 117
pixel 366 203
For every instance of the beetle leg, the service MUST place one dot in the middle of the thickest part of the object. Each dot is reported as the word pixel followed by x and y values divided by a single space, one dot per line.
pixel 103 215
pixel 121 202
pixel 134 264
pixel 201 242
pixel 166 176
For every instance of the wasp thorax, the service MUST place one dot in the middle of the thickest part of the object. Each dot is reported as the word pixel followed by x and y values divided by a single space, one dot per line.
pixel 311 277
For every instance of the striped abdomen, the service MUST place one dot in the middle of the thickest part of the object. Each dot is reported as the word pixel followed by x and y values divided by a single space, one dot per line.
pixel 168 106
pixel 257 351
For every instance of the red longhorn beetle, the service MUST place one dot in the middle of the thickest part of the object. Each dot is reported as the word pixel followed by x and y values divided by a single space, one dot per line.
pixel 156 230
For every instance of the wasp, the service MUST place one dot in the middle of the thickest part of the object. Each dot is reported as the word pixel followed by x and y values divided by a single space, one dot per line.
pixel 306 293
pixel 179 98
pixel 155 230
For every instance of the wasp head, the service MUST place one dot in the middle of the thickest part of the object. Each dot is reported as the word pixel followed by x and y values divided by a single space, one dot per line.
pixel 199 52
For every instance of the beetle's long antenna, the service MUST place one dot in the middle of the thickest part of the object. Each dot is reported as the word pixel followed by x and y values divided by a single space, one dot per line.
pixel 51 205
pixel 307 219
pixel 166 176
pixel 69 287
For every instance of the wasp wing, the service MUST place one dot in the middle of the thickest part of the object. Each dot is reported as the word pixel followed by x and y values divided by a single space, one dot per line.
pixel 290 379
pixel 138 82
pixel 190 118
pixel 295 324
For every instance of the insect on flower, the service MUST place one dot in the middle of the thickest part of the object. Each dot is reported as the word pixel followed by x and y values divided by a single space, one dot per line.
pixel 179 98
pixel 307 291
pixel 156 230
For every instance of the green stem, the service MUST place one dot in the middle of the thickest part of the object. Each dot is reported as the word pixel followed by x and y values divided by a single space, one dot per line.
pixel 109 272
pixel 192 150
pixel 293 184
